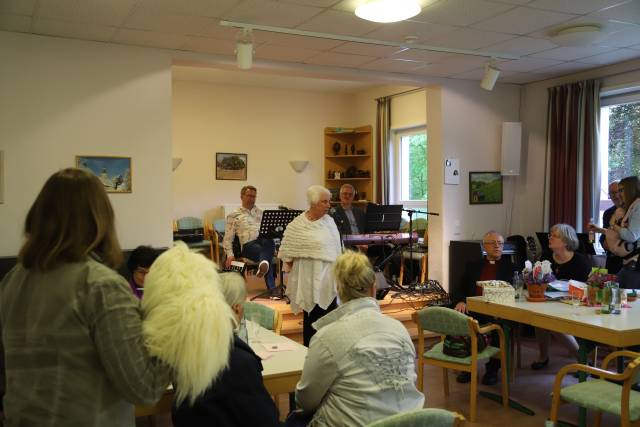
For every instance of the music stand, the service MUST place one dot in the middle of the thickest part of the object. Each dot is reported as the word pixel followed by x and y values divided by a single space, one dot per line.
pixel 383 217
pixel 272 226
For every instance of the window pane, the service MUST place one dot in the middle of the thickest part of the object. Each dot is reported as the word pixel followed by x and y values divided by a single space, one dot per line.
pixel 624 140
pixel 414 166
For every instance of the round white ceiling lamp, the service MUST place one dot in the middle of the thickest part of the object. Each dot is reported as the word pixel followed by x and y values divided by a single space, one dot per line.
pixel 388 10
pixel 578 35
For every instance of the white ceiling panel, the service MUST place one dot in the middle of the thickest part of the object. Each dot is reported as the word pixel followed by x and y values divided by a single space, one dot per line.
pixel 460 12
pixel 616 55
pixel 521 78
pixel 423 55
pixel 73 30
pixel 368 49
pixel 571 53
pixel 446 69
pixel 399 30
pixel 392 65
pixel 527 64
pixel 339 59
pixel 522 20
pixel 311 43
pixel 579 7
pixel 17 23
pixel 267 12
pixel 166 22
pixel 635 46
pixel 282 53
pixel 209 45
pixel 338 22
pixel 213 29
pixel 17 7
pixel 111 13
pixel 191 7
pixel 475 74
pixel 565 68
pixel 522 46
pixel 626 12
pixel 606 27
pixel 627 37
pixel 316 3
pixel 469 38
pixel 149 38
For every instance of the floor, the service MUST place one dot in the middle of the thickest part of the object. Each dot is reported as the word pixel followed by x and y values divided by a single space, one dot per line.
pixel 530 388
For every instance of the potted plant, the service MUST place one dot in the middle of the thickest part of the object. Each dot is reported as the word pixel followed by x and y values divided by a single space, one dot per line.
pixel 596 283
pixel 537 277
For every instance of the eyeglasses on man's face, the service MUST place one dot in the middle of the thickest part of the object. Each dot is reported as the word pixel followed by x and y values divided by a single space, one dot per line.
pixel 493 243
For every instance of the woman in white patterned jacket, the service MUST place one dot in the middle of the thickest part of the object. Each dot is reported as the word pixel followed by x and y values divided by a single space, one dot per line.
pixel 310 246
pixel 361 364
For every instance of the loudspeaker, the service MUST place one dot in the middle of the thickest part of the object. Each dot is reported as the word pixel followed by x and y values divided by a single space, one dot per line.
pixel 511 147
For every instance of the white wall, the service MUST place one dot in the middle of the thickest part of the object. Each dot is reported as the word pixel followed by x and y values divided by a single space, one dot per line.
pixel 61 98
pixel 273 126
pixel 529 215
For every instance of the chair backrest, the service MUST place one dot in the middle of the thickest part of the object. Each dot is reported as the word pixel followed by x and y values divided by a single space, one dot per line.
pixel 444 321
pixel 432 417
pixel 189 223
pixel 265 316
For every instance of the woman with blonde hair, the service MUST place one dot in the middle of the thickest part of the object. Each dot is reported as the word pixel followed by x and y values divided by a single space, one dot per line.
pixel 74 352
pixel 310 246
pixel 361 363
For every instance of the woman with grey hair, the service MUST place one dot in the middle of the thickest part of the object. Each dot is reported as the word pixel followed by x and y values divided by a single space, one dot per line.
pixel 566 264
pixel 310 246
pixel 361 364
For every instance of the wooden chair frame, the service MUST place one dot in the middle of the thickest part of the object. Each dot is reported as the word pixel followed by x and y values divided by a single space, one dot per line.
pixel 627 377
pixel 474 329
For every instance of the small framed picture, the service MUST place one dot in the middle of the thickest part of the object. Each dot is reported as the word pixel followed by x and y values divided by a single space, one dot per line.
pixel 231 166
pixel 485 188
pixel 114 172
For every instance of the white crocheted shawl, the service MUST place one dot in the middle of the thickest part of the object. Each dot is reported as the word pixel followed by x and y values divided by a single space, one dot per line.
pixel 311 239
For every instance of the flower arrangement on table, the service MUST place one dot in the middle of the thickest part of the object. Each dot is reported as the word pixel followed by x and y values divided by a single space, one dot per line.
pixel 596 282
pixel 537 276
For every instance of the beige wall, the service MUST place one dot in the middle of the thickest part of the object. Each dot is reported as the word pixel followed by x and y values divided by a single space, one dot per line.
pixel 273 126
pixel 61 98
pixel 529 215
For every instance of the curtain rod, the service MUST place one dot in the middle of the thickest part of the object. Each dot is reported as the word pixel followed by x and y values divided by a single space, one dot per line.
pixel 406 92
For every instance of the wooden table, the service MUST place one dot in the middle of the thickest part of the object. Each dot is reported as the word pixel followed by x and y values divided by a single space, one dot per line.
pixel 280 373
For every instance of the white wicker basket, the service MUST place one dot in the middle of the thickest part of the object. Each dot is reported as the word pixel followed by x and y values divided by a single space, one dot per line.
pixel 497 291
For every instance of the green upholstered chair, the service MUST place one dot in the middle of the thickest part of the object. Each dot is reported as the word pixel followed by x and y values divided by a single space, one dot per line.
pixel 432 417
pixel 599 394
pixel 446 321
pixel 263 315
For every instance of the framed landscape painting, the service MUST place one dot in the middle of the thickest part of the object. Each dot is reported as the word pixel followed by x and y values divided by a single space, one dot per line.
pixel 485 188
pixel 114 172
pixel 231 166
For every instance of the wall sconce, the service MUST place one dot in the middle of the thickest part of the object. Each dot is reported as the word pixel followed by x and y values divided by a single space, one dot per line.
pixel 175 162
pixel 298 165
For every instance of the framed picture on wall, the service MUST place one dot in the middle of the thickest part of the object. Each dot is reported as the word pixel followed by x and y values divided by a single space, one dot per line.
pixel 114 172
pixel 231 166
pixel 485 188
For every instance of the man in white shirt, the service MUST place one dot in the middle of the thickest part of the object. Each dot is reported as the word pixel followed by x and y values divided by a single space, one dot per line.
pixel 244 222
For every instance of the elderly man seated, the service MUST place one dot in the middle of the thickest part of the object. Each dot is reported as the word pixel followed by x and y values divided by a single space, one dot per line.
pixel 492 267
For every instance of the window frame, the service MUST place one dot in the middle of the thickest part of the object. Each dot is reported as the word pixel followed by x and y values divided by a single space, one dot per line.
pixel 395 169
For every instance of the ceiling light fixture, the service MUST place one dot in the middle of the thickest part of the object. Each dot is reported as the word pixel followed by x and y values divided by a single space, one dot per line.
pixel 406 44
pixel 388 10
pixel 244 49
pixel 578 35
pixel 491 74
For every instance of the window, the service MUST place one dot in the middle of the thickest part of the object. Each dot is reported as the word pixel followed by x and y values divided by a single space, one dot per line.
pixel 619 143
pixel 409 168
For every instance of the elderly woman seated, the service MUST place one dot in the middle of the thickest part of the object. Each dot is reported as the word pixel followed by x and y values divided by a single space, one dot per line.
pixel 361 363
pixel 238 396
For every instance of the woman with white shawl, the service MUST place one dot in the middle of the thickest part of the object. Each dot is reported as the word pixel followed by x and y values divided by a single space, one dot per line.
pixel 310 246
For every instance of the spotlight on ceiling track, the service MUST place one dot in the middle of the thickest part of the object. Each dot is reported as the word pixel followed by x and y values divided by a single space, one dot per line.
pixel 491 74
pixel 244 49
pixel 388 10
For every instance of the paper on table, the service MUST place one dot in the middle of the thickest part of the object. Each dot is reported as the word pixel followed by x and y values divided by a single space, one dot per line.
pixel 556 295
pixel 263 354
pixel 559 286
pixel 283 346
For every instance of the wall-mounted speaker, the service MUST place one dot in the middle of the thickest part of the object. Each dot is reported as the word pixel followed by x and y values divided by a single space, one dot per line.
pixel 511 148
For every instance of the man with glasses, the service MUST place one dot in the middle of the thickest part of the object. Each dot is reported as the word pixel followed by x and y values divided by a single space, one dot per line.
pixel 349 219
pixel 492 267
pixel 614 263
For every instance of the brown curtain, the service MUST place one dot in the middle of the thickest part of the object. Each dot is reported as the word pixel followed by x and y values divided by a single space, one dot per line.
pixel 572 136
pixel 383 145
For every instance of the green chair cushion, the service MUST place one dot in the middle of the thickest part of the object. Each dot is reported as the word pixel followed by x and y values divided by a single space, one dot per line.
pixel 436 353
pixel 601 395
pixel 260 314
pixel 431 417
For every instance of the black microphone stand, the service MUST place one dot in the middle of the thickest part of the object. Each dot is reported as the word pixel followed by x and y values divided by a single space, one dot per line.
pixel 412 282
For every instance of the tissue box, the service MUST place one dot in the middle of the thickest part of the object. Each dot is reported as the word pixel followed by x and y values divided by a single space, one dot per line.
pixel 497 291
pixel 577 288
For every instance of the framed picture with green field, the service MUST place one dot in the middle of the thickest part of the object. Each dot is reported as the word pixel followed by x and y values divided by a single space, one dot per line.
pixel 485 188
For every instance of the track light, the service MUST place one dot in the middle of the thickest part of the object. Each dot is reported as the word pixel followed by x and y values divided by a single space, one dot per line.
pixel 491 74
pixel 244 49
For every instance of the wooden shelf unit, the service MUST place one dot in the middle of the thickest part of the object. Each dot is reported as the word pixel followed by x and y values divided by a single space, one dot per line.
pixel 361 138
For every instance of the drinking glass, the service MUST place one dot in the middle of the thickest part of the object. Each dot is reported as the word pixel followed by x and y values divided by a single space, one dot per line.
pixel 623 297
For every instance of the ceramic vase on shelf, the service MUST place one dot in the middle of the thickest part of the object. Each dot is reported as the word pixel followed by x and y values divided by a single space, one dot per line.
pixel 536 291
